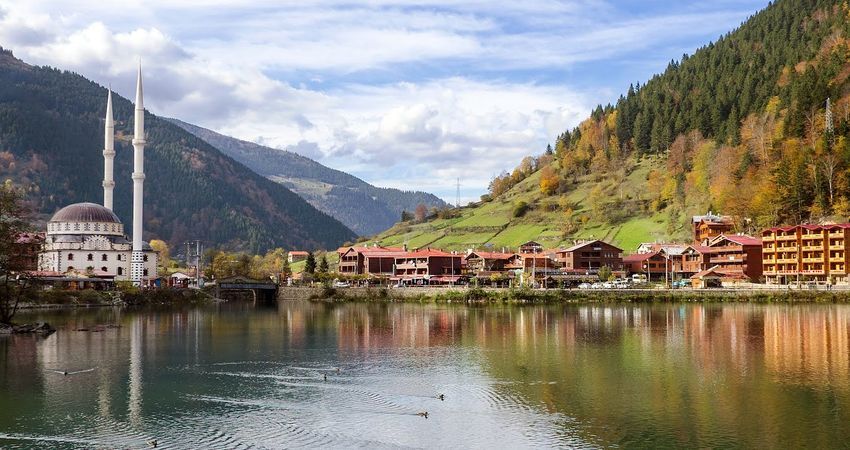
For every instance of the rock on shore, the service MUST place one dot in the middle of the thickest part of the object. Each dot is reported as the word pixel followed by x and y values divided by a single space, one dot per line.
pixel 42 328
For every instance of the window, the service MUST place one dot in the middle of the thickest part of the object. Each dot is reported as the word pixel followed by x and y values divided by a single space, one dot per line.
pixel 90 257
pixel 104 257
pixel 76 227
pixel 97 227
pixel 145 258
pixel 70 256
pixel 120 271
pixel 88 226
pixel 103 269
pixel 145 273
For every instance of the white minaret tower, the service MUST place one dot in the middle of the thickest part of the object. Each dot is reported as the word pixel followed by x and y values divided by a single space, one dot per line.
pixel 108 154
pixel 137 264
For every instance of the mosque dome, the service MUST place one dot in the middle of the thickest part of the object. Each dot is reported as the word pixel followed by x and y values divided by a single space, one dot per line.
pixel 85 212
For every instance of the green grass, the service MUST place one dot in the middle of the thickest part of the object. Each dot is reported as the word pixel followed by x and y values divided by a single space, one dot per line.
pixel 492 224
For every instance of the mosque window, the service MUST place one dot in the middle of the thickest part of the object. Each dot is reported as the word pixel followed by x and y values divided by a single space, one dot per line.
pixel 104 257
pixel 103 269
pixel 70 256
pixel 88 227
pixel 97 227
pixel 67 227
pixel 76 227
pixel 145 258
pixel 145 273
pixel 91 257
pixel 120 271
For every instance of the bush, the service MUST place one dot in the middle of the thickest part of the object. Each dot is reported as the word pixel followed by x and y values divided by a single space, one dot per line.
pixel 521 208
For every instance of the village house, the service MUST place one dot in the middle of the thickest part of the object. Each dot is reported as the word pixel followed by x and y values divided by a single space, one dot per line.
pixel 656 265
pixel 374 260
pixel 531 247
pixel 492 268
pixel 710 226
pixel 737 254
pixel 478 261
pixel 428 266
pixel 806 253
pixel 694 259
pixel 296 255
pixel 588 257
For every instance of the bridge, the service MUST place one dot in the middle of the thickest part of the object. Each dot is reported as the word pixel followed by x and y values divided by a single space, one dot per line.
pixel 264 291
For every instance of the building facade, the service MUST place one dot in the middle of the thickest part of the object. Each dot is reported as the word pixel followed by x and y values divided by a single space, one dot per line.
pixel 806 253
pixel 590 256
pixel 737 254
pixel 710 226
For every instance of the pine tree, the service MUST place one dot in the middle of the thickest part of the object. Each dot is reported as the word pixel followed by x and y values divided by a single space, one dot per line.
pixel 310 264
pixel 323 265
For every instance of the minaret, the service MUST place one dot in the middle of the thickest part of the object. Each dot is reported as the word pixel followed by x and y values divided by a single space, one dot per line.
pixel 137 264
pixel 108 153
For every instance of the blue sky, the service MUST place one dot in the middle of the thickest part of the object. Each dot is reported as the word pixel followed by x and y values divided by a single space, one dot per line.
pixel 402 94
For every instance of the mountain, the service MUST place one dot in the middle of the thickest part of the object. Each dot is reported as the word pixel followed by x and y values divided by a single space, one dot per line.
pixel 51 140
pixel 364 208
pixel 755 126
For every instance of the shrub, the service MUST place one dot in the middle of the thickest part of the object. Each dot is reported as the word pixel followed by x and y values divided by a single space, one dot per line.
pixel 521 208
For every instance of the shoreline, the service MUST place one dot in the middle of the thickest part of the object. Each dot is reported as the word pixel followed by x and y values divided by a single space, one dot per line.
pixel 556 296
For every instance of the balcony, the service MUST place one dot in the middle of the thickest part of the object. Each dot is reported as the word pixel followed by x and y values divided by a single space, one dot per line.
pixel 770 249
pixel 819 259
pixel 813 271
pixel 836 234
pixel 809 237
pixel 813 248
pixel 786 260
pixel 791 237
pixel 836 247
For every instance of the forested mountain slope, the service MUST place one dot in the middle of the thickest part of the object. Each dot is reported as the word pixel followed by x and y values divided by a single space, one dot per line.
pixel 364 208
pixel 51 142
pixel 741 127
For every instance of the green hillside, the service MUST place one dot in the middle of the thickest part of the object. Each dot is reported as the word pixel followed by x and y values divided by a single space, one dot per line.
pixel 364 208
pixel 51 143
pixel 755 126
pixel 492 224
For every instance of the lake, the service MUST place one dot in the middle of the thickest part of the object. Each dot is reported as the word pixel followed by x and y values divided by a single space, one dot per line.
pixel 305 374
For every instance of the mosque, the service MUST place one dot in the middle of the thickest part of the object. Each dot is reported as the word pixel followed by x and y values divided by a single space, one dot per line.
pixel 89 239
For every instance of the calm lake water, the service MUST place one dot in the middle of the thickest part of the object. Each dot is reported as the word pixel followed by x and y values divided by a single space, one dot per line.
pixel 236 376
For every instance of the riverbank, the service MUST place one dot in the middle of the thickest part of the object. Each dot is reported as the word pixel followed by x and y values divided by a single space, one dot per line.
pixel 91 298
pixel 529 296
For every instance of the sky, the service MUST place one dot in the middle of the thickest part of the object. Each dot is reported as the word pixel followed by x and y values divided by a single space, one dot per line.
pixel 411 95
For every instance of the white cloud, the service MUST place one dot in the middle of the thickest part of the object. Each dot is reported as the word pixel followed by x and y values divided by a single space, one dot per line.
pixel 403 94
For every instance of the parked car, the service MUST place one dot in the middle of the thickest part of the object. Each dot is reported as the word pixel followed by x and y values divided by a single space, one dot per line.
pixel 596 286
pixel 608 285
pixel 341 284
pixel 584 286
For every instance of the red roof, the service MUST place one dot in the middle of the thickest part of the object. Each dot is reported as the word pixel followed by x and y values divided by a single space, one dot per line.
pixel 299 253
pixel 699 248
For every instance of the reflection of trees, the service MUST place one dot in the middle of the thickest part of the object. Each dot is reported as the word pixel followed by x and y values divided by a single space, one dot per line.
pixel 661 375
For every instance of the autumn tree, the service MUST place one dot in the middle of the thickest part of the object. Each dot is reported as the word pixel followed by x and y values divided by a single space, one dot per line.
pixel 14 279
pixel 549 181
pixel 421 212
pixel 164 254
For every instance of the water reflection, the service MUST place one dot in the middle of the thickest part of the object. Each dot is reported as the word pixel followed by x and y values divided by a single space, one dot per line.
pixel 580 376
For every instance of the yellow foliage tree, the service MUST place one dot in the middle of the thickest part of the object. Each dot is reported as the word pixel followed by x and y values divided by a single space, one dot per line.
pixel 549 181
